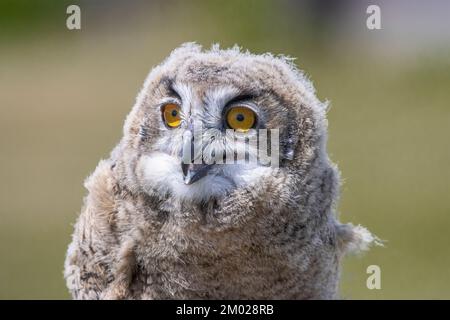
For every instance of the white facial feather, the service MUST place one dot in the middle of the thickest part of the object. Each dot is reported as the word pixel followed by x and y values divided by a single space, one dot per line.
pixel 162 172
pixel 215 99
pixel 161 169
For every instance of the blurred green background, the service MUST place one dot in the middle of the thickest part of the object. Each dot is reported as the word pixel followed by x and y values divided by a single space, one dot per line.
pixel 64 96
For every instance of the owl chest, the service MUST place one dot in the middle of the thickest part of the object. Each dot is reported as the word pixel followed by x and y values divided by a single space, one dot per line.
pixel 209 271
pixel 179 262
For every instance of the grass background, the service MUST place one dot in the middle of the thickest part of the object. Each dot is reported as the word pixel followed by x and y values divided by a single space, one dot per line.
pixel 64 96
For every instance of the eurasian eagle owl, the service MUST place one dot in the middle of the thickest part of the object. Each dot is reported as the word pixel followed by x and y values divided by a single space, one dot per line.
pixel 167 218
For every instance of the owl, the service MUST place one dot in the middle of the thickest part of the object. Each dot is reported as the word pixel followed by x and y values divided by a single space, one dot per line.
pixel 167 218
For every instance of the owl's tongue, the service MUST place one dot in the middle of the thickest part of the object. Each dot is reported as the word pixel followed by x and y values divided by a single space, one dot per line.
pixel 193 172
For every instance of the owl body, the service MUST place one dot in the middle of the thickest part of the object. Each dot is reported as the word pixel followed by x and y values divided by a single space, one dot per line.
pixel 153 228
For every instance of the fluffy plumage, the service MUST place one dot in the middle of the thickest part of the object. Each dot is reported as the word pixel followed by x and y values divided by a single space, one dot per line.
pixel 241 232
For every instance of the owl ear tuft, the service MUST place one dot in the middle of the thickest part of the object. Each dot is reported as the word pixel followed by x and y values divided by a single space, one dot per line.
pixel 185 49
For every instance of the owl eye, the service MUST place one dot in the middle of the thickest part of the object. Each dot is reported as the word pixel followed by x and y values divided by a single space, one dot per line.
pixel 171 115
pixel 241 118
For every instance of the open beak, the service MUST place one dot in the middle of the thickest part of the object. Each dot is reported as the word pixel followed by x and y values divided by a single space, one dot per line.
pixel 192 172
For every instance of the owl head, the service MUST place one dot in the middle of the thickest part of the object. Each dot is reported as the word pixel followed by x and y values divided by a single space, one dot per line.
pixel 199 108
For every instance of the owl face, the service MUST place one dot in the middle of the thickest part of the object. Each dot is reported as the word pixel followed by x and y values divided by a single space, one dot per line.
pixel 203 120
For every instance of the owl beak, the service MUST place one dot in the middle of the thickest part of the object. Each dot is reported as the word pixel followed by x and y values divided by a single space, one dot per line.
pixel 194 172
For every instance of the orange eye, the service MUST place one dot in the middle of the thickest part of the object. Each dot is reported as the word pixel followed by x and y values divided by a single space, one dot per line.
pixel 241 118
pixel 171 115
